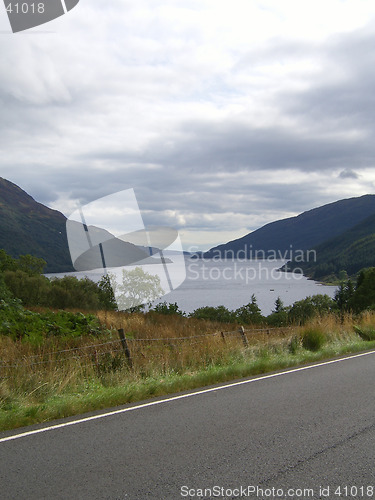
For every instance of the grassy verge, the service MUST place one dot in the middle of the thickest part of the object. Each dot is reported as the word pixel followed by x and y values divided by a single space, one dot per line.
pixel 61 385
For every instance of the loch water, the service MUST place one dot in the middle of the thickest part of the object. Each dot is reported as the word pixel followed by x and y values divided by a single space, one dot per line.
pixel 232 283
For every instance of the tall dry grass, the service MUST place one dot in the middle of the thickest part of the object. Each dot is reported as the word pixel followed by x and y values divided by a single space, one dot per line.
pixel 160 346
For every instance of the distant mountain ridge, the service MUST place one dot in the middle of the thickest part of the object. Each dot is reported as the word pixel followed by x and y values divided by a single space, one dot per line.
pixel 300 233
pixel 342 234
pixel 28 227
pixel 351 251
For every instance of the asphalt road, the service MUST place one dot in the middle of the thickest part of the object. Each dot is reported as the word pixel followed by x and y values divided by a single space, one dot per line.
pixel 287 436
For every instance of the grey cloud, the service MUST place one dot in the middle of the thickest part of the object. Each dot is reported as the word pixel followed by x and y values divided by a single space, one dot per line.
pixel 343 93
pixel 348 174
pixel 230 147
pixel 339 94
pixel 67 140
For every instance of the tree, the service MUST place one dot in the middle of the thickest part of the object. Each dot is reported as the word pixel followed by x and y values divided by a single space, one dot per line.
pixel 279 316
pixel 30 264
pixel 218 313
pixel 26 263
pixel 168 309
pixel 106 295
pixel 32 290
pixel 344 295
pixel 71 292
pixel 364 293
pixel 343 275
pixel 136 289
pixel 7 263
pixel 279 305
pixel 250 313
pixel 4 291
pixel 305 309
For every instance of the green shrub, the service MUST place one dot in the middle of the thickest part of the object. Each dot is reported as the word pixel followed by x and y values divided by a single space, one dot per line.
pixel 109 363
pixel 68 324
pixel 32 290
pixel 276 319
pixel 294 344
pixel 19 323
pixel 313 339
pixel 70 292
pixel 168 309
pixel 5 294
pixel 219 313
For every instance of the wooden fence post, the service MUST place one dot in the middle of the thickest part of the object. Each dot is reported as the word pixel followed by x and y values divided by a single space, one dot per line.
pixel 125 347
pixel 223 337
pixel 243 335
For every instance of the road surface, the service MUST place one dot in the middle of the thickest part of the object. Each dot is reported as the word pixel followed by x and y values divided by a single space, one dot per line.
pixel 297 434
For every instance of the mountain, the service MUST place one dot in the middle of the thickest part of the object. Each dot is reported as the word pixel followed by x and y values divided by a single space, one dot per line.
pixel 351 251
pixel 296 234
pixel 341 233
pixel 28 227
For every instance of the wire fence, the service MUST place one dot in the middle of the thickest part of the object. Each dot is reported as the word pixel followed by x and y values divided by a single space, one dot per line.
pixel 129 347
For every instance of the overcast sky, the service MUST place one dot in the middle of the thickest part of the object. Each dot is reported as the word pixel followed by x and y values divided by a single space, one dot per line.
pixel 222 115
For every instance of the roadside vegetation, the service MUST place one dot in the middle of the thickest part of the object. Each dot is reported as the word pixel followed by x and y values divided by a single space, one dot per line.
pixel 61 353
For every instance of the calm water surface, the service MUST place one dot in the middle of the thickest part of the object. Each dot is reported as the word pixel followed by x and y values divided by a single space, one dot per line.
pixel 232 282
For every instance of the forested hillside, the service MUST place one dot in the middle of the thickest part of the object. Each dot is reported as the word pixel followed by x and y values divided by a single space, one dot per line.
pixel 351 251
pixel 28 227
pixel 302 232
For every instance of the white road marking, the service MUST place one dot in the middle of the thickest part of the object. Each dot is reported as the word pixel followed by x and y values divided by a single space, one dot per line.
pixel 181 396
